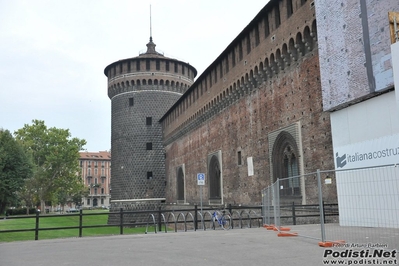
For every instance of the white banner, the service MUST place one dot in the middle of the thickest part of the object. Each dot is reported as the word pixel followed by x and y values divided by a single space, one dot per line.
pixel 375 152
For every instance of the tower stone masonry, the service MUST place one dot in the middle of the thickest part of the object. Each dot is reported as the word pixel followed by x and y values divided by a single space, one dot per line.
pixel 141 90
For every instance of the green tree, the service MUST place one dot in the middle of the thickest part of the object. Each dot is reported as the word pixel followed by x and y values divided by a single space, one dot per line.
pixel 15 167
pixel 27 194
pixel 55 155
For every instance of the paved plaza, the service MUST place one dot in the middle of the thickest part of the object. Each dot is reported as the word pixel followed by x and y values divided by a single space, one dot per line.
pixel 255 246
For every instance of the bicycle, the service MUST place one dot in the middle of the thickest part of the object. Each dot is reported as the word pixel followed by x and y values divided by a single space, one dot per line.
pixel 224 220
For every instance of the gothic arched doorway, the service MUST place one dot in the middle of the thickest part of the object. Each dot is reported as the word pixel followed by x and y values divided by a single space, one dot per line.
pixel 286 165
pixel 180 184
pixel 215 191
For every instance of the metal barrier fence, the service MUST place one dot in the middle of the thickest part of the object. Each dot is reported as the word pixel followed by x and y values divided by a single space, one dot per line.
pixel 337 206
pixel 161 220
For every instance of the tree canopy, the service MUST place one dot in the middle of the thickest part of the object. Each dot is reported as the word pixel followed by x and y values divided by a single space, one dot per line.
pixel 55 155
pixel 15 167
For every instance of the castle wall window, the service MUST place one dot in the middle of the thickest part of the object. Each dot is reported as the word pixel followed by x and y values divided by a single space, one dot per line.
pixel 221 70
pixel 158 65
pixel 239 158
pixel 257 40
pixel 277 15
pixel 183 69
pixel 129 66
pixel 240 55
pixel 149 146
pixel 149 175
pixel 131 102
pixel 148 121
pixel 248 44
pixel 176 69
pixel 267 26
pixel 138 65
pixel 147 64
pixel 227 63
pixel 167 66
pixel 290 9
pixel 233 57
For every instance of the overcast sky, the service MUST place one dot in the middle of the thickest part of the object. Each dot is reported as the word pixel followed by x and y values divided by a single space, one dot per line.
pixel 53 53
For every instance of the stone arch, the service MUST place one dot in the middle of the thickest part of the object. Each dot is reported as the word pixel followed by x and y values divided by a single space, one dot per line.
pixel 214 173
pixel 150 82
pixel 285 162
pixel 313 33
pixel 279 60
pixel 144 82
pixel 273 65
pixel 299 44
pixel 307 39
pixel 155 82
pixel 285 55
pixel 292 50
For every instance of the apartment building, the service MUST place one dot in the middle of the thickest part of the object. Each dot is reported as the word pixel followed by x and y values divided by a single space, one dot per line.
pixel 96 175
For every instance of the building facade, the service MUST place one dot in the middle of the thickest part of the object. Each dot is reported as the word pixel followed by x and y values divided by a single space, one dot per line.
pixel 254 115
pixel 96 175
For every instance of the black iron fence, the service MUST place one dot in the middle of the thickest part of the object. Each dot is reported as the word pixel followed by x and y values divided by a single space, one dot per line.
pixel 178 219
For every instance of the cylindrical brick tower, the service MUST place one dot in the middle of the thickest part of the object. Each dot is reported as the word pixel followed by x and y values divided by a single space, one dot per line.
pixel 141 90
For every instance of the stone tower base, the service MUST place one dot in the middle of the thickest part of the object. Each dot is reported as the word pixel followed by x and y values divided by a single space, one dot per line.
pixel 135 210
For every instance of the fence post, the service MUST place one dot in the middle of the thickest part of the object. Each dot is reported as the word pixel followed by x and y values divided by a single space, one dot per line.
pixel 276 198
pixel 321 207
pixel 231 215
pixel 293 213
pixel 121 221
pixel 159 219
pixel 37 226
pixel 196 217
pixel 80 222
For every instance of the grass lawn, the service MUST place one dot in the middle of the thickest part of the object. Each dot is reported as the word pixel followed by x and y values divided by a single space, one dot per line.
pixel 101 218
